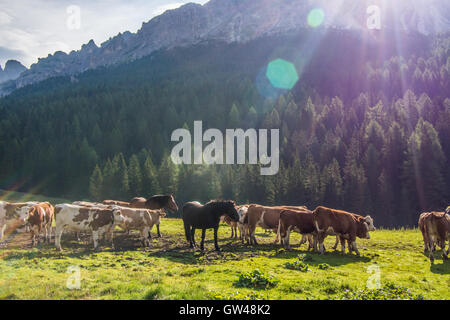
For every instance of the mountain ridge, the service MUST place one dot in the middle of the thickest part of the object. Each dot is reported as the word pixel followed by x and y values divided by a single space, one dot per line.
pixel 231 21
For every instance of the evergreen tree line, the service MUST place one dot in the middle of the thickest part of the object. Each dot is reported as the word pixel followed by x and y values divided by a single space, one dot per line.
pixel 371 137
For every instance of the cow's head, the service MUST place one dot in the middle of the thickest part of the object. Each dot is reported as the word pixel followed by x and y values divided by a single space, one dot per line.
pixel 369 221
pixel 242 212
pixel 362 229
pixel 117 214
pixel 447 211
pixel 21 213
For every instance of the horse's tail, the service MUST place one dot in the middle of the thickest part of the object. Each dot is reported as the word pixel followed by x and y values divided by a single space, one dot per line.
pixel 187 231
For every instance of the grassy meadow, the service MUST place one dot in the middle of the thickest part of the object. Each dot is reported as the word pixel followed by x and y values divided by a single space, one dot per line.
pixel 170 270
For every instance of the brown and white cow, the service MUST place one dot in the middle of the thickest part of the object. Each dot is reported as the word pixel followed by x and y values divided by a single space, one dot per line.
pixel 142 220
pixel 99 221
pixel 345 224
pixel 9 217
pixel 300 221
pixel 437 229
pixel 40 218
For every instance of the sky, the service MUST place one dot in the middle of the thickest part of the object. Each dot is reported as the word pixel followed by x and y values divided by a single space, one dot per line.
pixel 32 29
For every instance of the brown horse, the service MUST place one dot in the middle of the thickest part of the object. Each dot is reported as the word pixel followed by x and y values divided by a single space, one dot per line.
pixel 155 202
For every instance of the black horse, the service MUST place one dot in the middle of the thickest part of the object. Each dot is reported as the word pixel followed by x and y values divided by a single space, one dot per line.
pixel 198 216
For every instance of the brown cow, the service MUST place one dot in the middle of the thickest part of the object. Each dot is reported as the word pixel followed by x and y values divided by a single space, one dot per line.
pixel 40 216
pixel 437 229
pixel 300 221
pixel 345 224
pixel 154 203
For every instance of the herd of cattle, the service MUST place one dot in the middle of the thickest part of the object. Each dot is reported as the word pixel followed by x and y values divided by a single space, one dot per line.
pixel 101 219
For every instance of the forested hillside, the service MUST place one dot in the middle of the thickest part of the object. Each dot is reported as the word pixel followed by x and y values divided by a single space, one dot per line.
pixel 366 128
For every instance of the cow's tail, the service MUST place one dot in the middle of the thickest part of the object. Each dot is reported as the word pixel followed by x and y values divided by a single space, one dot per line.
pixel 317 226
pixel 279 229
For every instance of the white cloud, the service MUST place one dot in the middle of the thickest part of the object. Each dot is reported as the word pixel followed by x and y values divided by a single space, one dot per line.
pixel 37 28
pixel 5 18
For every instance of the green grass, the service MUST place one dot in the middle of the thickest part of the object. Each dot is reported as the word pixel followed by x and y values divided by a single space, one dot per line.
pixel 170 270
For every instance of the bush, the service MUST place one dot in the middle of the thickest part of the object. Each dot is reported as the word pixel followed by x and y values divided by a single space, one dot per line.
pixel 324 266
pixel 297 265
pixel 256 279
pixel 389 291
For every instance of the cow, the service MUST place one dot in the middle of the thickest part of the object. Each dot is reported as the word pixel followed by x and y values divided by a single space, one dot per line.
pixel 300 221
pixel 9 216
pixel 345 224
pixel 99 221
pixel 142 220
pixel 437 229
pixel 155 202
pixel 40 218
pixel 115 202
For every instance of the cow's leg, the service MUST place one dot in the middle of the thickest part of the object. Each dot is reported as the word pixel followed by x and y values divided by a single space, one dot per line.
pixel 425 243
pixel 58 234
pixel 321 237
pixel 431 247
pixel 95 237
pixel 216 245
pixel 354 247
pixel 316 242
pixel 277 236
pixel 336 243
pixel 232 232
pixel 310 242
pixel 202 243
pixel 110 235
pixel 2 231
pixel 252 236
pixel 157 230
pixel 342 239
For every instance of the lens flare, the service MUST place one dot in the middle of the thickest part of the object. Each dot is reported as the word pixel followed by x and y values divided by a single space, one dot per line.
pixel 282 74
pixel 316 17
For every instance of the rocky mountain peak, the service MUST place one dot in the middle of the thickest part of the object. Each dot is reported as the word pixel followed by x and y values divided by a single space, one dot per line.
pixel 236 21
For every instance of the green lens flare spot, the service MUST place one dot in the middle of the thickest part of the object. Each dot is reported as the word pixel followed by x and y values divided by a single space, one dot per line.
pixel 316 17
pixel 282 74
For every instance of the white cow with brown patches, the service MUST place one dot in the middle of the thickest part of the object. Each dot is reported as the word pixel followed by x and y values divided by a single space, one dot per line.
pixel 99 221
pixel 9 217
pixel 142 220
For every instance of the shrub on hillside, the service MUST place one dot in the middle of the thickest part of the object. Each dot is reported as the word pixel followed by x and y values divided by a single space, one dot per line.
pixel 256 280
